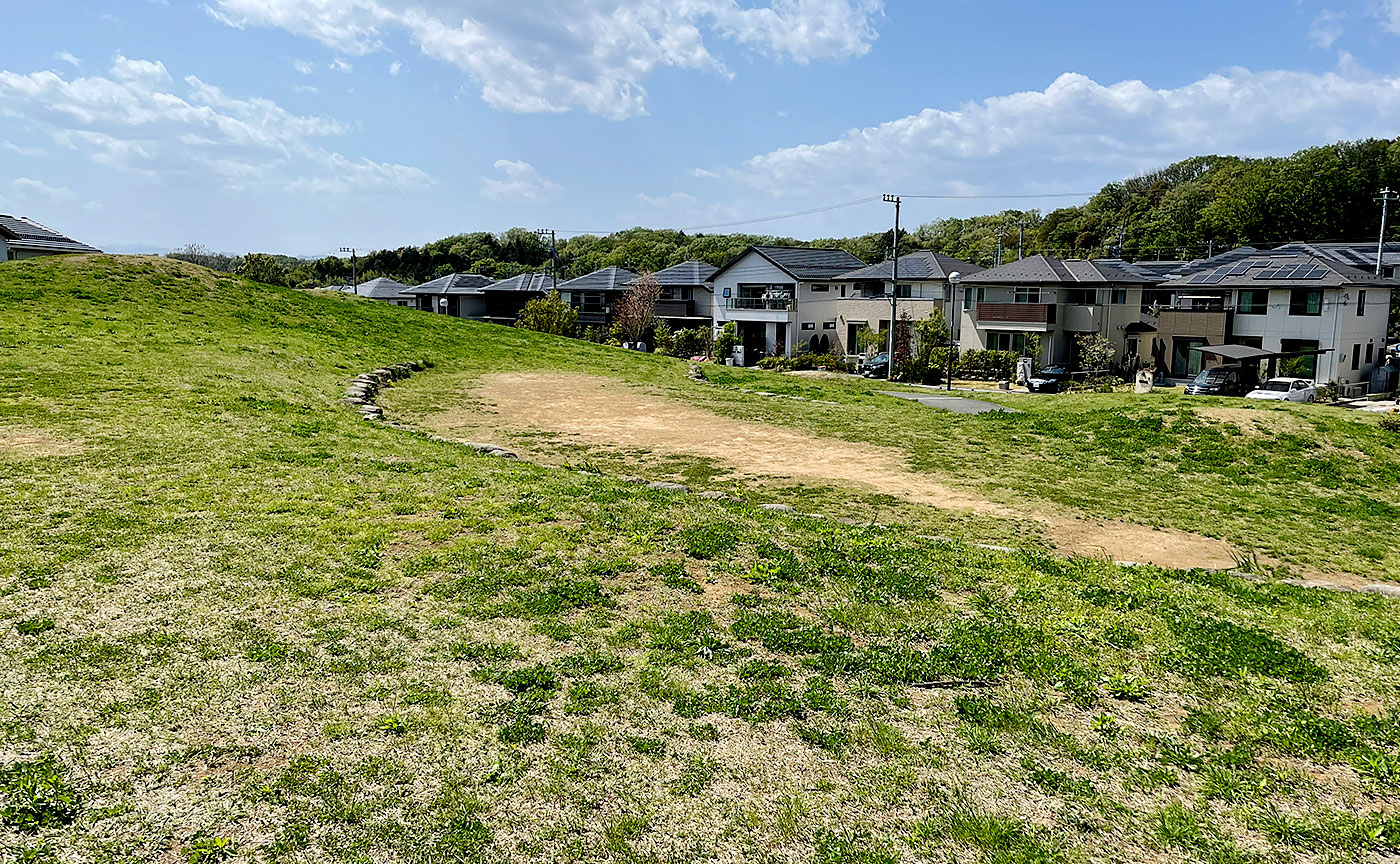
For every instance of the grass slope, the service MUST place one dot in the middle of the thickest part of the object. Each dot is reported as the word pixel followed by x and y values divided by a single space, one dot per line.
pixel 240 623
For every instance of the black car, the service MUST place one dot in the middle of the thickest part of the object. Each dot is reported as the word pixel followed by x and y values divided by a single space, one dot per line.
pixel 1051 379
pixel 1223 381
pixel 876 367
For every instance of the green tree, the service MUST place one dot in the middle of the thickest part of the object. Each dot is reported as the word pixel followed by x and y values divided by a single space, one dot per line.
pixel 548 314
pixel 266 269
pixel 727 341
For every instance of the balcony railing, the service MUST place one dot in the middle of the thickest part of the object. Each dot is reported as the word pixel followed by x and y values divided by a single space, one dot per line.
pixel 1017 313
pixel 761 304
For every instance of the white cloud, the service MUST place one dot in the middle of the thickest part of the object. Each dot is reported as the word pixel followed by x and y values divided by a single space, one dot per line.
pixel 704 174
pixel 340 65
pixel 134 120
pixel 1389 13
pixel 1327 28
pixel 558 55
pixel 395 68
pixel 33 152
pixel 68 58
pixel 1081 132
pixel 305 67
pixel 522 183
pixel 38 189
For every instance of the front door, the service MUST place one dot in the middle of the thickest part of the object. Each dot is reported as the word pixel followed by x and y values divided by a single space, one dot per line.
pixel 780 341
pixel 752 335
pixel 853 336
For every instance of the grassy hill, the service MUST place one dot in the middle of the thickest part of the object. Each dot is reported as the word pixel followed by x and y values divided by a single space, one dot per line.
pixel 241 623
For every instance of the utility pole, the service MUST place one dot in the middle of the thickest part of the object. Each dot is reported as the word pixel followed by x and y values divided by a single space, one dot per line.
pixel 1001 232
pixel 1021 240
pixel 894 285
pixel 353 283
pixel 553 255
pixel 1385 200
pixel 1122 229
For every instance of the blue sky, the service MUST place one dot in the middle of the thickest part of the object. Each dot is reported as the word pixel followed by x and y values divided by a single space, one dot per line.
pixel 300 126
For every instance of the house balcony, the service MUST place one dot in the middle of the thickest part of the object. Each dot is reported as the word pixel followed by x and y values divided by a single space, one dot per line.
pixel 759 304
pixel 1016 316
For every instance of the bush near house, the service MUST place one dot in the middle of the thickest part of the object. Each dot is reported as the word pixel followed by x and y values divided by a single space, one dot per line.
pixel 988 365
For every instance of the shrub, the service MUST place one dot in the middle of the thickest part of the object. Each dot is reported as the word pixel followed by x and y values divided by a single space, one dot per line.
pixel 727 341
pixel 548 314
pixel 663 339
pixel 987 365
pixel 695 342
pixel 37 795
pixel 1390 423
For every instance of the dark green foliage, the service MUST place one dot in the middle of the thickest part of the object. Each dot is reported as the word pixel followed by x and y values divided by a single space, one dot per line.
pixel 37 794
pixel 204 850
pixel 33 626
pixel 1001 839
pixel 539 678
pixel 673 575
pixel 560 596
pixel 1214 646
pixel 687 635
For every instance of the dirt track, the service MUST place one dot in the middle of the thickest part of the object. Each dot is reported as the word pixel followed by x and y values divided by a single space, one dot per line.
pixel 598 412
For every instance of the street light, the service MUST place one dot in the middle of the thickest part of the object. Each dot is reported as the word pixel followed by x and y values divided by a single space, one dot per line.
pixel 954 279
pixel 894 287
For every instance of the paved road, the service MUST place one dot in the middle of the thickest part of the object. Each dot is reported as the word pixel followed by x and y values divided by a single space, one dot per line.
pixel 956 404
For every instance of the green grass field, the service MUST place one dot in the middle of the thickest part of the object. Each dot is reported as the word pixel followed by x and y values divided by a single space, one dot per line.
pixel 240 623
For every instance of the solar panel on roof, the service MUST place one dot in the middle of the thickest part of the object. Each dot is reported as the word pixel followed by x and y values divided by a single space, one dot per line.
pixel 1241 268
pixel 1214 278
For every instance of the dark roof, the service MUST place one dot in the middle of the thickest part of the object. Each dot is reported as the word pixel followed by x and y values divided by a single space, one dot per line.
pixel 686 273
pixel 1359 255
pixel 1286 266
pixel 1045 270
pixel 916 266
pixel 802 263
pixel 21 233
pixel 607 279
pixel 453 283
pixel 382 288
pixel 523 282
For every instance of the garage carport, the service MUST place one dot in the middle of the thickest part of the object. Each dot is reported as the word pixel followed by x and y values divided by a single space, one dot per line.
pixel 1243 354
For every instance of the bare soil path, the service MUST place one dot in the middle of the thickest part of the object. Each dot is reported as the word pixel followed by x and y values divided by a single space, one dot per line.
pixel 598 412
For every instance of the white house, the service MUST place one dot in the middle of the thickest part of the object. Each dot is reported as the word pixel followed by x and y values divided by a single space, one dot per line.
pixel 24 238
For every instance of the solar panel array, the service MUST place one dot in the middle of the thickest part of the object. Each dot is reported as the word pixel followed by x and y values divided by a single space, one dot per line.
pixel 1267 270
pixel 26 230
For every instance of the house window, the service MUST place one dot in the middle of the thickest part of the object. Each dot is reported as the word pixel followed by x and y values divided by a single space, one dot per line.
pixel 1370 351
pixel 904 291
pixel 828 325
pixel 1073 296
pixel 822 289
pixel 809 325
pixel 1119 296
pixel 1027 295
pixel 674 293
pixel 1305 366
pixel 1253 301
pixel 947 293
pixel 1007 341
pixel 967 298
pixel 1355 357
pixel 1305 301
pixel 1360 302
pixel 884 324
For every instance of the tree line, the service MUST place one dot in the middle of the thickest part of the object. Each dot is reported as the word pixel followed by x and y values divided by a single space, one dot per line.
pixel 1199 206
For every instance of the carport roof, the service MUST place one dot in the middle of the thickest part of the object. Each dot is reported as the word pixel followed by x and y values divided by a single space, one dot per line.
pixel 1249 352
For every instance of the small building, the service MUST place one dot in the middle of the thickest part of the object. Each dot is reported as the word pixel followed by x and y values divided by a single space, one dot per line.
pixel 22 238
pixel 385 290
pixel 503 300
pixel 771 292
pixel 594 294
pixel 1057 300
pixel 456 294
pixel 687 298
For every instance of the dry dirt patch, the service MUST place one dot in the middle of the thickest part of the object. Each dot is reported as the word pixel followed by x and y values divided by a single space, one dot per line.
pixel 35 442
pixel 597 412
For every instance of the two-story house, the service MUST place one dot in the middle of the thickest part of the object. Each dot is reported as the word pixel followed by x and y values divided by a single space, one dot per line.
pixel 594 294
pixel 687 298
pixel 770 292
pixel 1057 300
pixel 502 301
pixel 1294 302
pixel 924 285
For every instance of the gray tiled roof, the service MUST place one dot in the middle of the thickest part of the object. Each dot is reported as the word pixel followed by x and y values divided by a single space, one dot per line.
pixel 382 288
pixel 453 283
pixel 916 266
pixel 1359 255
pixel 1045 270
pixel 607 279
pixel 524 282
pixel 690 273
pixel 21 233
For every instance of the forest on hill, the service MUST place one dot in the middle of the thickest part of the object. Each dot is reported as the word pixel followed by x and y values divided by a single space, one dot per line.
pixel 1199 206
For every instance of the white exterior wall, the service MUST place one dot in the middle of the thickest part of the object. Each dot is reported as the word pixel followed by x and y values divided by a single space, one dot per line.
pixel 1339 327
pixel 753 269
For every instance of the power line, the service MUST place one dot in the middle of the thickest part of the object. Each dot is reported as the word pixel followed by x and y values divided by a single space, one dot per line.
pixel 1007 197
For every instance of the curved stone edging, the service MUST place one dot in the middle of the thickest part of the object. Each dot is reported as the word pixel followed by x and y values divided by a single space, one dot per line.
pixel 363 388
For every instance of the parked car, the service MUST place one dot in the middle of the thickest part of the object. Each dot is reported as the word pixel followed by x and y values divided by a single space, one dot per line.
pixel 1285 390
pixel 1223 381
pixel 877 366
pixel 1051 379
